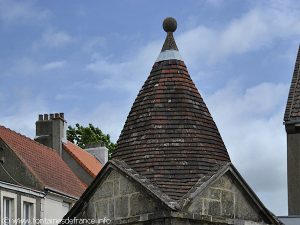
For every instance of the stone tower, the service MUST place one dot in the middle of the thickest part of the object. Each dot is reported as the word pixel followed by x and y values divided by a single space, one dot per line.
pixel 170 165
pixel 292 127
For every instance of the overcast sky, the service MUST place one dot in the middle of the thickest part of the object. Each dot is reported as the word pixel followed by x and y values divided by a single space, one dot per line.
pixel 89 60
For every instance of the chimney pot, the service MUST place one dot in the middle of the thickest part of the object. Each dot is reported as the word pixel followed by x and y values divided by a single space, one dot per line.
pixel 56 115
pixel 51 116
pixel 61 115
pixel 46 117
pixel 41 117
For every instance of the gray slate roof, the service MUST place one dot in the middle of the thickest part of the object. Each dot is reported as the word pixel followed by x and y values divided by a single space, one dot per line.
pixel 292 111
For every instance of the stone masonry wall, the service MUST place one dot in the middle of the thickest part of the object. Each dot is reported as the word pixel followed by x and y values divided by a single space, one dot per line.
pixel 118 198
pixel 225 199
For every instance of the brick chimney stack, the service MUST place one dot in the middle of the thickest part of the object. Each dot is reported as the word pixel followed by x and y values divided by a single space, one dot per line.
pixel 51 131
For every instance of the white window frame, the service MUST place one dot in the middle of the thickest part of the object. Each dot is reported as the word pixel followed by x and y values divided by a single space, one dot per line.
pixel 28 200
pixel 13 196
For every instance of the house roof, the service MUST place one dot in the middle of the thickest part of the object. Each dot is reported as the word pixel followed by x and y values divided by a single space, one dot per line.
pixel 170 136
pixel 88 162
pixel 44 163
pixel 292 111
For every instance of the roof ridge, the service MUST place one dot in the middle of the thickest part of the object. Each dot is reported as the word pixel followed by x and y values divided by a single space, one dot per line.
pixel 24 136
pixel 80 162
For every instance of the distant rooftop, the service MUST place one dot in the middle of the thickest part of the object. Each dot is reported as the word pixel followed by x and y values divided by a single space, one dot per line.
pixel 44 163
pixel 290 220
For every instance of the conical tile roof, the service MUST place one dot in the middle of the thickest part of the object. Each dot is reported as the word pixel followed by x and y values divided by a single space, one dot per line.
pixel 169 135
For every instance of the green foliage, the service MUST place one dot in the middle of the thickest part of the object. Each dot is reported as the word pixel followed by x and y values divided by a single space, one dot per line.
pixel 82 136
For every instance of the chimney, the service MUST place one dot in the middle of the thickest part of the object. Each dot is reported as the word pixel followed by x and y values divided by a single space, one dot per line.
pixel 51 131
pixel 99 151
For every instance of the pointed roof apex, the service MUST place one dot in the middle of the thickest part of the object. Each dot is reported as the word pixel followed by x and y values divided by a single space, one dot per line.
pixel 292 111
pixel 169 49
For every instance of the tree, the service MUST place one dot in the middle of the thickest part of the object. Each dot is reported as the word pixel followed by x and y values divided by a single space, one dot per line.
pixel 82 136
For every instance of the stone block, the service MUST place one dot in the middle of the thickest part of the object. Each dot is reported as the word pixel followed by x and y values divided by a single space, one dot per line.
pixel 177 221
pixel 111 208
pixel 116 187
pixel 126 186
pixel 205 207
pixel 214 208
pixel 112 176
pixel 228 206
pixel 205 193
pixel 102 209
pixel 121 207
pixel 140 204
pixel 201 217
pixel 215 194
pixel 244 209
pixel 224 182
pixel 196 206
pixel 91 211
pixel 161 222
pixel 105 190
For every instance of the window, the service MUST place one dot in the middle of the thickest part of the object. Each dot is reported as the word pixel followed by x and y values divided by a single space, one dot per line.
pixel 7 210
pixel 27 213
pixel 28 210
pixel 8 207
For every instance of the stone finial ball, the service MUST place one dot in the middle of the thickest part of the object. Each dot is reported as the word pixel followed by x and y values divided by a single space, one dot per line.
pixel 169 24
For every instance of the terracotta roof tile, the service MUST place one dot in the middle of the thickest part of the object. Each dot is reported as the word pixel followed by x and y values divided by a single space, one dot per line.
pixel 44 163
pixel 292 111
pixel 88 162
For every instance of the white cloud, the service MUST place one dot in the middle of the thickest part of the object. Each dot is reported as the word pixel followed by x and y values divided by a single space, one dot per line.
pixel 94 43
pixel 259 27
pixel 20 115
pixel 130 73
pixel 53 65
pixel 18 11
pixel 53 39
pixel 29 67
